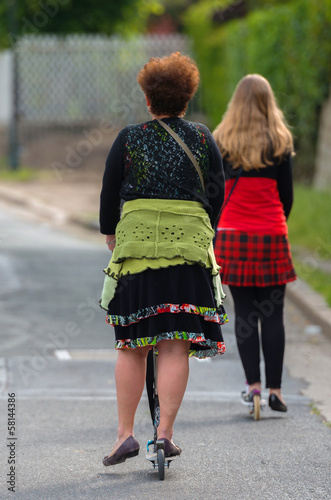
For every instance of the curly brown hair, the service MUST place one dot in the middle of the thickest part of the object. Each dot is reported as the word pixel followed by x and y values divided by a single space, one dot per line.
pixel 169 83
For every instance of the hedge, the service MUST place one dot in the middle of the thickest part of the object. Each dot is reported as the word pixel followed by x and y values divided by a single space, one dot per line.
pixel 288 43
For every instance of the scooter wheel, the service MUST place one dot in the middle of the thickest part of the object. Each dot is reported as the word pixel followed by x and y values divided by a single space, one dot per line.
pixel 160 463
pixel 257 406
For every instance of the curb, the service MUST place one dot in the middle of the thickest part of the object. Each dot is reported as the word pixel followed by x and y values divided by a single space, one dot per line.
pixel 92 225
pixel 312 304
pixel 37 206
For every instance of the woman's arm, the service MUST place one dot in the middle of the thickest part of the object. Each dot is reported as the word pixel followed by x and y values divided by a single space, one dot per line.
pixel 110 198
pixel 216 182
pixel 111 241
pixel 285 184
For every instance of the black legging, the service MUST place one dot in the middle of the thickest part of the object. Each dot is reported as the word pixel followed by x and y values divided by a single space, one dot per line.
pixel 264 305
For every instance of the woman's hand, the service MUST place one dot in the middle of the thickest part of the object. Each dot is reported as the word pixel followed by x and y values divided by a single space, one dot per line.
pixel 110 241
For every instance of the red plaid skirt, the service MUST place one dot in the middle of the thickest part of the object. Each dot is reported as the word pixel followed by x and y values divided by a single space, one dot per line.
pixel 253 259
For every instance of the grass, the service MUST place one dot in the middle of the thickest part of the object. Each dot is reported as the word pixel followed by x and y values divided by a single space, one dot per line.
pixel 22 174
pixel 310 234
pixel 315 411
pixel 310 220
pixel 318 280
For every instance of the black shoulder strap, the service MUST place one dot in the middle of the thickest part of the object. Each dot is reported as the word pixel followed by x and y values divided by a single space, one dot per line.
pixel 233 186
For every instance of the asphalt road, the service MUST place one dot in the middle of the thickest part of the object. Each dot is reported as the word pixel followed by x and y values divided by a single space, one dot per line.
pixel 57 358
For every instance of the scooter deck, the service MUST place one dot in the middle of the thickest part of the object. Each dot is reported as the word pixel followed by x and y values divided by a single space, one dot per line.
pixel 152 457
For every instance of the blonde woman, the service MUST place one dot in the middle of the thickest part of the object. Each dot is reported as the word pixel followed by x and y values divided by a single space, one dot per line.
pixel 251 244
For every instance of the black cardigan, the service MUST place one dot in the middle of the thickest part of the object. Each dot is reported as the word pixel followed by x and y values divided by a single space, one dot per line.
pixel 146 162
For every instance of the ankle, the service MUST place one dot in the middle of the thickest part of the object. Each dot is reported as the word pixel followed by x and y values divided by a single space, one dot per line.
pixel 164 433
pixel 278 393
pixel 123 434
pixel 255 386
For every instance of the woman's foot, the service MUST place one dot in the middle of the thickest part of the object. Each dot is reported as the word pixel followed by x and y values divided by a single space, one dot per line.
pixel 247 398
pixel 276 401
pixel 255 387
pixel 251 390
pixel 127 449
pixel 170 449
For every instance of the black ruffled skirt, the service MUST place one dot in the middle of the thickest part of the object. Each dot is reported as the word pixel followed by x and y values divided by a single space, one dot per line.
pixel 176 302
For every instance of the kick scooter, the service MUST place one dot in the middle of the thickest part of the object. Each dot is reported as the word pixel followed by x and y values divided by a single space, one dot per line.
pixel 157 455
pixel 255 404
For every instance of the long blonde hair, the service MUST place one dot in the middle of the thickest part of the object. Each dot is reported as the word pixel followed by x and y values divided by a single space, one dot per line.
pixel 253 129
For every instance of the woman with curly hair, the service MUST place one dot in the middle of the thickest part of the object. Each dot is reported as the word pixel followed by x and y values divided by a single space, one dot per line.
pixel 162 285
pixel 251 244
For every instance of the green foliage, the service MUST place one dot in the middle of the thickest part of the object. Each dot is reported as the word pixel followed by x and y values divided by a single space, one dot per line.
pixel 310 237
pixel 309 222
pixel 73 16
pixel 174 10
pixel 316 279
pixel 287 42
pixel 260 4
pixel 23 174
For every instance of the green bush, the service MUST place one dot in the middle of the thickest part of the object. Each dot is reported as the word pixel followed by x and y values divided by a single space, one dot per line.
pixel 288 43
pixel 309 222
pixel 309 227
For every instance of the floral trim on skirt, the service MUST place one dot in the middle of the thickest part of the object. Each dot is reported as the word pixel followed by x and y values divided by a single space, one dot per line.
pixel 214 347
pixel 208 313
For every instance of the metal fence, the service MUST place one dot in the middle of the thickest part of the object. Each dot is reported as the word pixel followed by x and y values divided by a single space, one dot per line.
pixel 67 86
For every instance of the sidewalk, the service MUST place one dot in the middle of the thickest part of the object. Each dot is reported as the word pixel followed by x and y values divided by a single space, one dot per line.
pixel 73 205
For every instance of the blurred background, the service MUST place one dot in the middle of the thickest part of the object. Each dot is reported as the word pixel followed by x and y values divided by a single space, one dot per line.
pixel 68 84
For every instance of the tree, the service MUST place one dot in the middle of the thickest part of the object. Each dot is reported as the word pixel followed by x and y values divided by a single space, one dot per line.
pixel 173 11
pixel 25 17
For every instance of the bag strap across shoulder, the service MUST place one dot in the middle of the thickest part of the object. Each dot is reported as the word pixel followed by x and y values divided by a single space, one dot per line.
pixel 185 148
pixel 233 186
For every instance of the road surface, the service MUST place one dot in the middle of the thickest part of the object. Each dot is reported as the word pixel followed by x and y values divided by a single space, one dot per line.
pixel 57 359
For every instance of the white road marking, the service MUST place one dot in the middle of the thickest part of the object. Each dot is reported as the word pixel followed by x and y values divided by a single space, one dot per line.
pixel 62 354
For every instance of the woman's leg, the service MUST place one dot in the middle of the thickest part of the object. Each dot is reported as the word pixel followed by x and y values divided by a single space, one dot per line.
pixel 271 303
pixel 130 374
pixel 173 372
pixel 247 335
